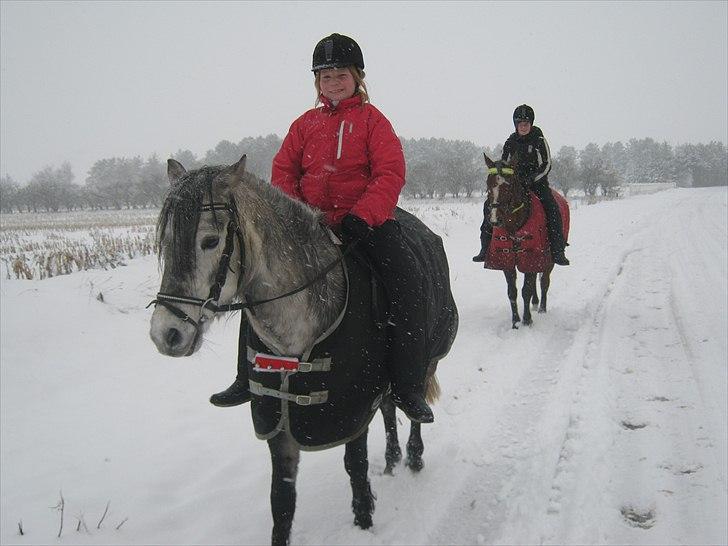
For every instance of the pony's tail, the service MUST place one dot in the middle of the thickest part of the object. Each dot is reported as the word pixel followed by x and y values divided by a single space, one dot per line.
pixel 432 389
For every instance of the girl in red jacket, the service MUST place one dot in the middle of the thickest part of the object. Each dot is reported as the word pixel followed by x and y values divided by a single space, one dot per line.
pixel 344 158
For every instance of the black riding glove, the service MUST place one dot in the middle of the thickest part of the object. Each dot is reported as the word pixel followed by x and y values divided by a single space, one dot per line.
pixel 354 229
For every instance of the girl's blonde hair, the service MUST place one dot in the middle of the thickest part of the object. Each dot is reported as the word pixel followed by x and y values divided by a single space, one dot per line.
pixel 360 87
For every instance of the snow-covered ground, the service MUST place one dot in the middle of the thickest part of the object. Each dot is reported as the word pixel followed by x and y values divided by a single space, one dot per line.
pixel 603 423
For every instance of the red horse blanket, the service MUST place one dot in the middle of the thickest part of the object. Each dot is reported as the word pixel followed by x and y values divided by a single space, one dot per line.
pixel 528 248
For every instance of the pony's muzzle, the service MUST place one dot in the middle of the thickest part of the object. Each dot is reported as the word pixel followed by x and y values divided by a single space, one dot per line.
pixel 172 336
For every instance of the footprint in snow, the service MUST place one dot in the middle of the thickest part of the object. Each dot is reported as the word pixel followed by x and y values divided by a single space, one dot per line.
pixel 638 517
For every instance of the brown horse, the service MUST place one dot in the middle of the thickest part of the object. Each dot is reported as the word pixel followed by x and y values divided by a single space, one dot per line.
pixel 521 241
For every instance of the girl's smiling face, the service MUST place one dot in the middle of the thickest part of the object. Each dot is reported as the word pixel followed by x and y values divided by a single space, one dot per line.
pixel 337 84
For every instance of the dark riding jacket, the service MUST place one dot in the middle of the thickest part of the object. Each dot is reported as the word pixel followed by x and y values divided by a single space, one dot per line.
pixel 534 156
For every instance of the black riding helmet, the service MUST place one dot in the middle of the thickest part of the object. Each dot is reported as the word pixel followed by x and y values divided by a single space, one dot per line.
pixel 337 51
pixel 523 113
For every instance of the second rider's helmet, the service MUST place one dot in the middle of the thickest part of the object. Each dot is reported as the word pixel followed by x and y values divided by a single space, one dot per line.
pixel 523 113
pixel 337 51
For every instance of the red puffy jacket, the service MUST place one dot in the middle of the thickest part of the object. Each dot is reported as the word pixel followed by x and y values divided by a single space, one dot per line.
pixel 344 159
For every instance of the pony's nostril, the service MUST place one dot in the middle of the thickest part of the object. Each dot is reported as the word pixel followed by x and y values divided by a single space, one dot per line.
pixel 173 337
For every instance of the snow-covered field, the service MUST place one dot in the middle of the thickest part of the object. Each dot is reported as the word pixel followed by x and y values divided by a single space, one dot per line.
pixel 603 423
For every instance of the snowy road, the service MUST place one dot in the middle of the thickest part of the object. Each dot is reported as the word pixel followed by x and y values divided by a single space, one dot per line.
pixel 603 423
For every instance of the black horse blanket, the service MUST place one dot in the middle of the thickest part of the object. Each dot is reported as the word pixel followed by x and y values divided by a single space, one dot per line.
pixel 342 379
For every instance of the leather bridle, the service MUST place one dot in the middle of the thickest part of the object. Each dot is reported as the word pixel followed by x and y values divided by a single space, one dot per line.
pixel 168 301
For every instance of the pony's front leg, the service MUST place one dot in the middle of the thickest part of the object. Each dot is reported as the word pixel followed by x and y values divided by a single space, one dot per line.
pixel 393 453
pixel 529 288
pixel 513 295
pixel 284 455
pixel 357 466
pixel 415 448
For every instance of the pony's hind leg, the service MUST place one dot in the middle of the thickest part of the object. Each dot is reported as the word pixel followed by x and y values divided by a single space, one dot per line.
pixel 545 283
pixel 357 466
pixel 284 454
pixel 528 290
pixel 513 296
pixel 534 297
pixel 415 448
pixel 415 445
pixel 393 453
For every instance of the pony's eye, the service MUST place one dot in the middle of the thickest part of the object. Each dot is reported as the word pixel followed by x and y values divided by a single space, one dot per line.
pixel 208 243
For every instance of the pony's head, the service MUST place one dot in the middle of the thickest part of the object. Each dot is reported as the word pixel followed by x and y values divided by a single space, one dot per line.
pixel 506 193
pixel 198 243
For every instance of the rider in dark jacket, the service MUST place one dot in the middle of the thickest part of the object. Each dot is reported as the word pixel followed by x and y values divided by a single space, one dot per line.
pixel 529 145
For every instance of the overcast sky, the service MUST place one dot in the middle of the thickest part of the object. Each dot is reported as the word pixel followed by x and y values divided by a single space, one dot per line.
pixel 82 81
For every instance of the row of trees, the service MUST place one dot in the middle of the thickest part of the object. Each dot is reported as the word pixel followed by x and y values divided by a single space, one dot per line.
pixel 605 169
pixel 435 167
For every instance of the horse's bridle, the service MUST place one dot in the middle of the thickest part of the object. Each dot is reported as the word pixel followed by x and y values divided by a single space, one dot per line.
pixel 210 303
pixel 168 300
pixel 500 170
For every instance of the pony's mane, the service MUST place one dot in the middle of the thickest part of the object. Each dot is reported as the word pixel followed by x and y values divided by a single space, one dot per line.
pixel 307 220
pixel 182 207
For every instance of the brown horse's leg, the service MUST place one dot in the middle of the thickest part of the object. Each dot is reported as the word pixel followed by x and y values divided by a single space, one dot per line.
pixel 357 466
pixel 284 454
pixel 545 283
pixel 534 297
pixel 393 453
pixel 513 295
pixel 529 288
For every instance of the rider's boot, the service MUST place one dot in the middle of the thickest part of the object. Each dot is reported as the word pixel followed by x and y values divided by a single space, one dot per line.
pixel 235 394
pixel 484 243
pixel 414 406
pixel 559 258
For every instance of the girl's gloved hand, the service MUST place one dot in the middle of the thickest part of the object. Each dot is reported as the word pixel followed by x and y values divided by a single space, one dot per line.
pixel 354 228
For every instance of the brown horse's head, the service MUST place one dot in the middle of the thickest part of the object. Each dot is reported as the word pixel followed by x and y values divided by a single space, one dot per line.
pixel 507 200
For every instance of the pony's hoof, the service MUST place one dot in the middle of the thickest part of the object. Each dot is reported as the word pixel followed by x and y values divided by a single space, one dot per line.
pixel 541 309
pixel 527 322
pixel 363 521
pixel 415 464
pixel 388 470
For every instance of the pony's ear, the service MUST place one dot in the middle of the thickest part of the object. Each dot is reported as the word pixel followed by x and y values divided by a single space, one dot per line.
pixel 239 167
pixel 175 170
pixel 488 161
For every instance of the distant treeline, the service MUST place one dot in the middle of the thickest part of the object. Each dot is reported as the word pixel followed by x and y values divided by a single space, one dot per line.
pixel 435 167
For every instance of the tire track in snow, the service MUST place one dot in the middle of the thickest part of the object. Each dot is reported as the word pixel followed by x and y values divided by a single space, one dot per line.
pixel 586 395
pixel 618 435
pixel 506 487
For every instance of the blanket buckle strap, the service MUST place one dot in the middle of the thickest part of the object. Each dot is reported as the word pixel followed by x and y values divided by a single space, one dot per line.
pixel 310 399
